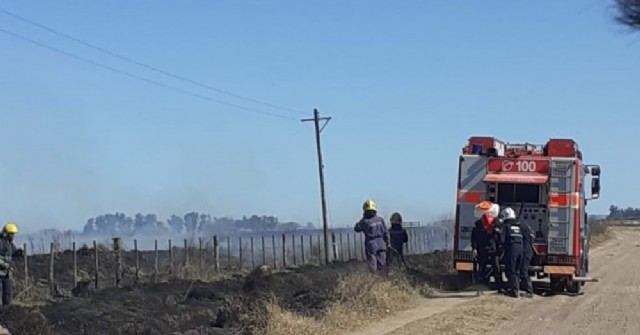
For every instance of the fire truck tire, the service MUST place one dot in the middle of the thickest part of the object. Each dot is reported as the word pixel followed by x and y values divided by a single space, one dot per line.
pixel 586 265
pixel 574 287
pixel 463 280
pixel 557 284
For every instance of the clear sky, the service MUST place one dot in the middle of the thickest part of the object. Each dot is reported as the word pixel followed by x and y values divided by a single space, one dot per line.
pixel 406 82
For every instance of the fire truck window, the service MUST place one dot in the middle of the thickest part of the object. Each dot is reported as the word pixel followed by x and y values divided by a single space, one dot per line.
pixel 518 193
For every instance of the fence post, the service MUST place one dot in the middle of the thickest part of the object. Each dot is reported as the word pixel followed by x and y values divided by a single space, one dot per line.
pixel 241 260
pixel 284 251
pixel 75 265
pixel 302 249
pixel 357 249
pixel 200 255
pixel 349 246
pixel 52 287
pixel 137 255
pixel 185 269
pixel 155 261
pixel 293 248
pixel 264 252
pixel 216 255
pixel 253 255
pixel 116 251
pixel 97 264
pixel 170 258
pixel 320 245
pixel 229 252
pixel 413 240
pixel 310 248
pixel 273 248
pixel 342 253
pixel 335 247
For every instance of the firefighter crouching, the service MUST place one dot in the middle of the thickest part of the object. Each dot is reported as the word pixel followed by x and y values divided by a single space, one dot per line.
pixel 398 236
pixel 485 242
pixel 7 252
pixel 514 255
pixel 376 236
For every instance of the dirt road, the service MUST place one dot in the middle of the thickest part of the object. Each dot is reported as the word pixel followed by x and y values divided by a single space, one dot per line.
pixel 608 307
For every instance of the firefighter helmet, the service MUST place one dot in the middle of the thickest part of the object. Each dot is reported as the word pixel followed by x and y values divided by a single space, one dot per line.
pixel 10 228
pixel 508 213
pixel 369 205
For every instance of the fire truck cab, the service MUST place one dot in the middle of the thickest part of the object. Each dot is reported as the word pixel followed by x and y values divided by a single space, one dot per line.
pixel 546 185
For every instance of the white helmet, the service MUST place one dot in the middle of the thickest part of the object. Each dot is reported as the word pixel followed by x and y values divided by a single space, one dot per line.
pixel 508 213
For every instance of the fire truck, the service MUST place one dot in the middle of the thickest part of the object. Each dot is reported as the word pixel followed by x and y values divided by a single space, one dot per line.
pixel 545 185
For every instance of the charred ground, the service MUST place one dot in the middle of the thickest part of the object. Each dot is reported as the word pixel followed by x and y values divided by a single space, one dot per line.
pixel 231 304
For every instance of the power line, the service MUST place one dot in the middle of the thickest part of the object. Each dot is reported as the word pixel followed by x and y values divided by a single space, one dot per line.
pixel 146 66
pixel 134 76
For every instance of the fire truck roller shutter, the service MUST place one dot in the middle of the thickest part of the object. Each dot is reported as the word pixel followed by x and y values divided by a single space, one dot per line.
pixel 516 178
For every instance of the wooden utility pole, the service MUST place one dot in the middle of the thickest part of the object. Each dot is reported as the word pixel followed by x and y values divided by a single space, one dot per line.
pixel 325 227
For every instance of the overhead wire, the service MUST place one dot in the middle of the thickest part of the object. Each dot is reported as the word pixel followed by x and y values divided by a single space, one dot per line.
pixel 140 78
pixel 147 66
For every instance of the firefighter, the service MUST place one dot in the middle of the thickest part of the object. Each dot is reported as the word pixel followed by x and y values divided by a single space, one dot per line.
pixel 498 255
pixel 376 236
pixel 525 280
pixel 398 237
pixel 513 249
pixel 485 241
pixel 7 252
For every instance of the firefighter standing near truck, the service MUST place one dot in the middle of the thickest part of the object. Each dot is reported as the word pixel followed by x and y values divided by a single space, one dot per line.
pixel 514 241
pixel 376 236
pixel 525 280
pixel 485 242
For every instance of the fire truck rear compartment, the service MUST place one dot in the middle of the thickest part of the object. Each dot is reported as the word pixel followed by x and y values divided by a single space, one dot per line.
pixel 530 202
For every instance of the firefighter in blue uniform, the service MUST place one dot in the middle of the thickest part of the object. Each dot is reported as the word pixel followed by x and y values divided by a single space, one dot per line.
pixel 376 236
pixel 398 237
pixel 514 243
pixel 528 251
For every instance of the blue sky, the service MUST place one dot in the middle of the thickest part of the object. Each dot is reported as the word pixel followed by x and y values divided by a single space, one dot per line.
pixel 405 82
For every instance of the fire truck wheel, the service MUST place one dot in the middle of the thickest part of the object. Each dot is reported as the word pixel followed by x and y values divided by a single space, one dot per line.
pixel 557 284
pixel 586 265
pixel 463 280
pixel 574 287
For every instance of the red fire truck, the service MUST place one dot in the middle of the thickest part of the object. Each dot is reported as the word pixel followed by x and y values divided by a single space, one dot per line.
pixel 545 185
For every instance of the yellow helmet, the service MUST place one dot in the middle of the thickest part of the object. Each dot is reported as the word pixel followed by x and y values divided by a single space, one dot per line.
pixel 370 205
pixel 10 228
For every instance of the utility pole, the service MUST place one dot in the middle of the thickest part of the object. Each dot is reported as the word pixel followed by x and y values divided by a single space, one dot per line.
pixel 325 227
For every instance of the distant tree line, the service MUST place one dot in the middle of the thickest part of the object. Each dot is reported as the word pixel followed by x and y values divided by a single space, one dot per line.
pixel 623 213
pixel 192 223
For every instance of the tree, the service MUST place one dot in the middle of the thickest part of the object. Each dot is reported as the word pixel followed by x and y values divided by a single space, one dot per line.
pixel 617 213
pixel 629 13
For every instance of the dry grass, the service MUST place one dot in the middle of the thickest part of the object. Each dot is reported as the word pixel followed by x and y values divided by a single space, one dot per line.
pixel 360 298
pixel 600 232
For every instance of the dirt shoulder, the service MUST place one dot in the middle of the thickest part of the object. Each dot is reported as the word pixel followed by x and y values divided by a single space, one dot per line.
pixel 607 307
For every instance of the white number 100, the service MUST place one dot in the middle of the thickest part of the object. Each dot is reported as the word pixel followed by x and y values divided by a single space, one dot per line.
pixel 526 166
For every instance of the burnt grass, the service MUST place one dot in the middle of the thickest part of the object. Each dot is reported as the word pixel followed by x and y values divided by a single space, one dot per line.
pixel 234 304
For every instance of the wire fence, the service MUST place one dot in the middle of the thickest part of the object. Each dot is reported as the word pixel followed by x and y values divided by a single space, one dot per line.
pixel 121 262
